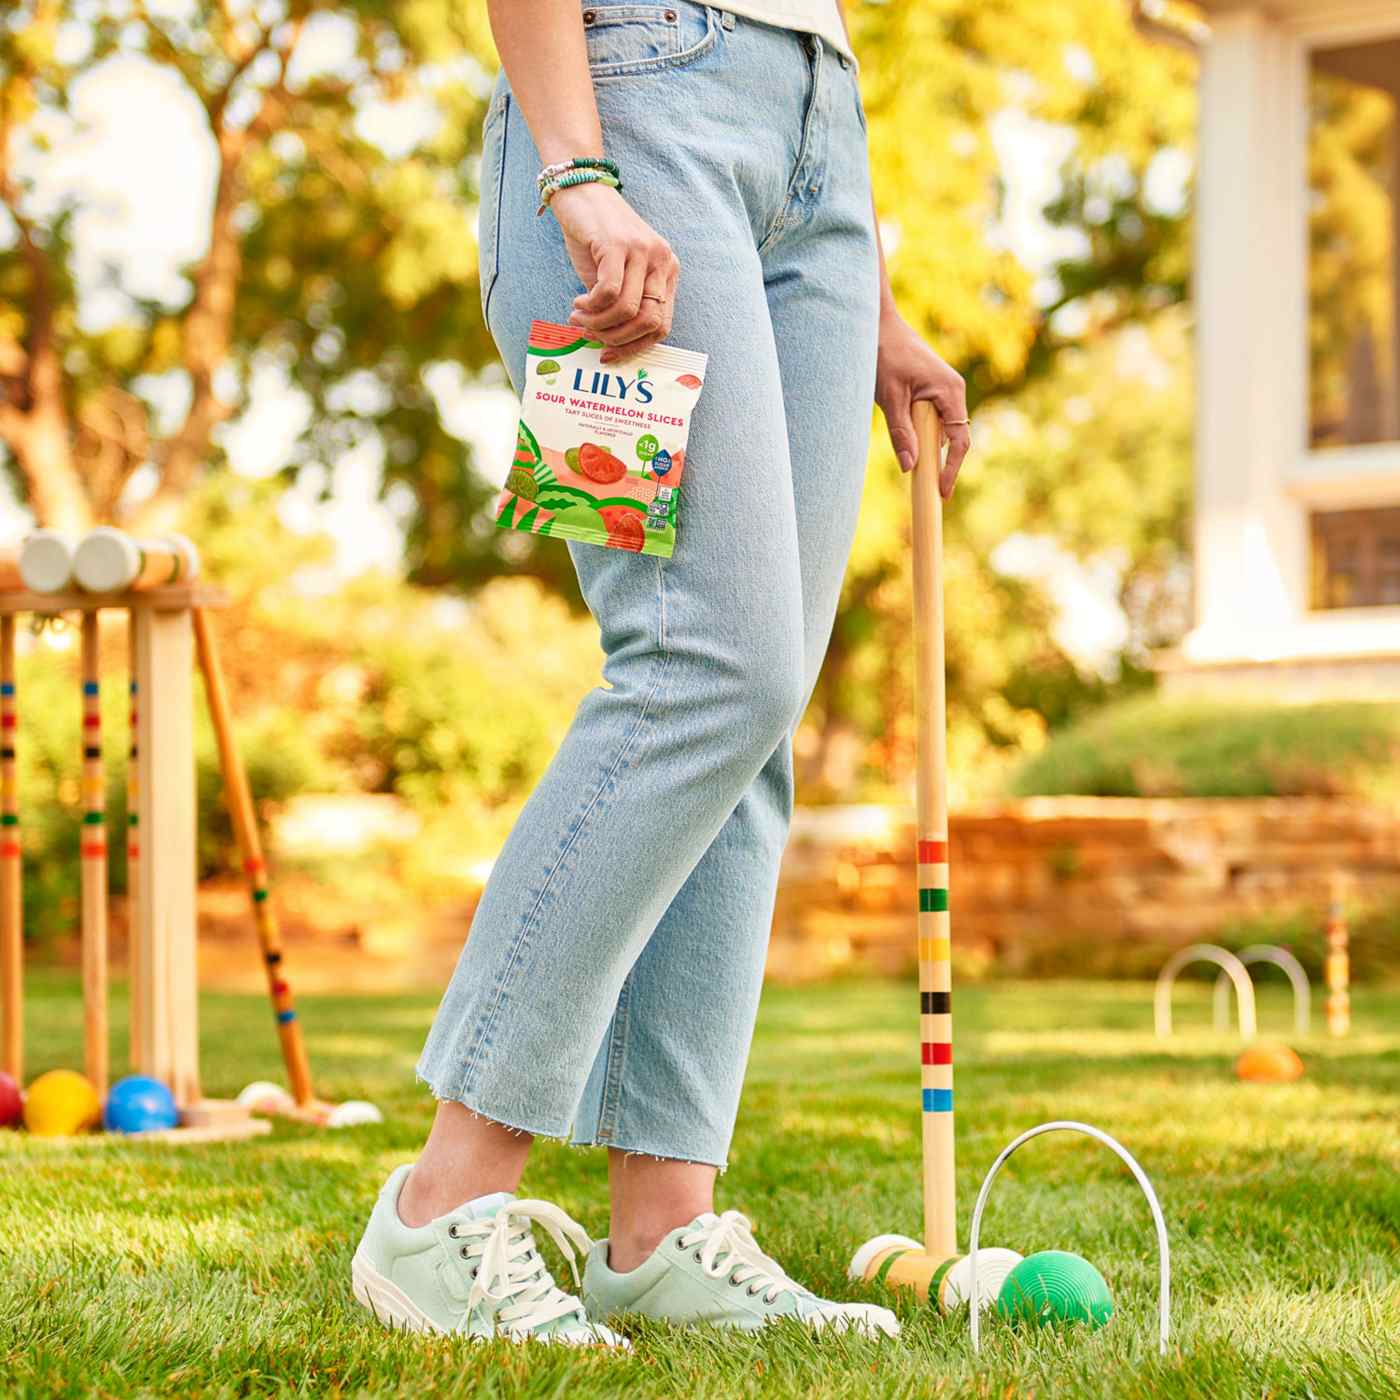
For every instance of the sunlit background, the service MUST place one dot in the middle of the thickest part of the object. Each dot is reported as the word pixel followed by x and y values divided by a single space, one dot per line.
pixel 239 297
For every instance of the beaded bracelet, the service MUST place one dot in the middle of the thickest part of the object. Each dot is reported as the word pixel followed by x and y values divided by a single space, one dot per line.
pixel 582 176
pixel 562 167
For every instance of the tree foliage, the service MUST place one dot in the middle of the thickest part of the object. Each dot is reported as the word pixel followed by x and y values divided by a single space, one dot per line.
pixel 347 265
pixel 1084 450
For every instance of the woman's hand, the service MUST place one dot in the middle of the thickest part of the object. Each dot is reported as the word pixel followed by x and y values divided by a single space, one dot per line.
pixel 908 370
pixel 628 268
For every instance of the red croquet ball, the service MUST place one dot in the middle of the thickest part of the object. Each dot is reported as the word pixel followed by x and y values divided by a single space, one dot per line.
pixel 11 1101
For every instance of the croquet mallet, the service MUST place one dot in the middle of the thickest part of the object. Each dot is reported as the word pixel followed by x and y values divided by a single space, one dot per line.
pixel 933 1268
pixel 301 1103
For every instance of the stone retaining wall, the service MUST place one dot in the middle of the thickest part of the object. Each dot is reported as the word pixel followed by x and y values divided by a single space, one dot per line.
pixel 1094 883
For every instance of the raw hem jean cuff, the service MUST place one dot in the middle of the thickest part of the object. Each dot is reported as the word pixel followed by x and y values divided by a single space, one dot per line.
pixel 475 1105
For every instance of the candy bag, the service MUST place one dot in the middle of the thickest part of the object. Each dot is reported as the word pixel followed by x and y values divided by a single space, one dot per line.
pixel 601 448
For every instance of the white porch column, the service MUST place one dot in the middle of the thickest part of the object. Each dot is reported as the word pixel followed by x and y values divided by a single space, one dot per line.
pixel 1251 556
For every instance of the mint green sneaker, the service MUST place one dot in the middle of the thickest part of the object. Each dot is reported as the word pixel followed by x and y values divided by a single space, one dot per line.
pixel 712 1270
pixel 475 1271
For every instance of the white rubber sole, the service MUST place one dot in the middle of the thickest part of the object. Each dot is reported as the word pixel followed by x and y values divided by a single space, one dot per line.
pixel 395 1309
pixel 865 1319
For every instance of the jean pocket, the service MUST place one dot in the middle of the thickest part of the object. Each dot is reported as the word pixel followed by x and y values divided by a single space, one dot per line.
pixel 624 40
pixel 493 174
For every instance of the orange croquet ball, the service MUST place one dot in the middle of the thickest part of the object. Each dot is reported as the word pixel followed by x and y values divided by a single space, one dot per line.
pixel 1269 1064
pixel 61 1102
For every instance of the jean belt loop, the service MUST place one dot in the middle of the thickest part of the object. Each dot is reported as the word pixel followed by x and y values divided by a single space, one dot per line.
pixel 726 19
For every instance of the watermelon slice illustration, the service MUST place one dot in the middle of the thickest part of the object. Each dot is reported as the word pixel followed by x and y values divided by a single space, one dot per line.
pixel 689 381
pixel 598 464
pixel 625 528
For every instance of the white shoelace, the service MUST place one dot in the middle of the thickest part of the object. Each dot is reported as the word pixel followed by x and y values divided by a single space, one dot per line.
pixel 512 1273
pixel 727 1246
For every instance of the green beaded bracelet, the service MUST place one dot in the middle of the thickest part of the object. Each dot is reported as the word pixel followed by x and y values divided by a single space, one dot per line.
pixel 580 176
pixel 552 172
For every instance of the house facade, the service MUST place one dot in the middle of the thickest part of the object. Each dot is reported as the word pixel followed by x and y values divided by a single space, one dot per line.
pixel 1297 296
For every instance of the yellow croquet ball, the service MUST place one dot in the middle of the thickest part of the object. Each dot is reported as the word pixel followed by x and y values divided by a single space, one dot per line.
pixel 1269 1064
pixel 61 1102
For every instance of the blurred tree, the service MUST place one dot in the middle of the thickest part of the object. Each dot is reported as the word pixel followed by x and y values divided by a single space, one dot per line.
pixel 955 72
pixel 1093 456
pixel 344 266
pixel 349 269
pixel 1112 473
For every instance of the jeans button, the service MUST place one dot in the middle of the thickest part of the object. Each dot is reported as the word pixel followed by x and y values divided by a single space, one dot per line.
pixel 589 16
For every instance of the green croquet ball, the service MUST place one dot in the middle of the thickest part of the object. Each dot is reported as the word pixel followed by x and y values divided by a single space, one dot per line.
pixel 1054 1286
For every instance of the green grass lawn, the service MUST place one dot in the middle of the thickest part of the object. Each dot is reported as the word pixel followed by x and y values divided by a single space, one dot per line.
pixel 149 1270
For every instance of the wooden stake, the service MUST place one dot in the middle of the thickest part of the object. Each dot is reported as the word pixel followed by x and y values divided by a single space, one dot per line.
pixel 245 825
pixel 935 953
pixel 1337 965
pixel 11 905
pixel 135 1005
pixel 93 865
pixel 168 993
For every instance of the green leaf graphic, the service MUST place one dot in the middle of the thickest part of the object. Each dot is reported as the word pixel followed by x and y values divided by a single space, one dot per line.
pixel 558 497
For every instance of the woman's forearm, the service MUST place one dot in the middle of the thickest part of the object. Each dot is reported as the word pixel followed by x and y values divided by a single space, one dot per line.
pixel 546 60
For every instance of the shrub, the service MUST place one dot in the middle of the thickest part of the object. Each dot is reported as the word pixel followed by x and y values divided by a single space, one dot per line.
pixel 1150 747
pixel 279 759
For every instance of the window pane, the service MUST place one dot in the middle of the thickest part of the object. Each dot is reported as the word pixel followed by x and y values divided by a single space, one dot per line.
pixel 1354 253
pixel 1356 558
pixel 1388 569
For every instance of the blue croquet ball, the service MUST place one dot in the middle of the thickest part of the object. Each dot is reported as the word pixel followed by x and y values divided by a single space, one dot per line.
pixel 138 1104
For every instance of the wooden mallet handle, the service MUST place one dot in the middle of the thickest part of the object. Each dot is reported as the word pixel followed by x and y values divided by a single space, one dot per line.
pixel 935 953
pixel 11 903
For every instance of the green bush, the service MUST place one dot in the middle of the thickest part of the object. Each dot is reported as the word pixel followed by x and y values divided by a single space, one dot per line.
pixel 279 759
pixel 459 712
pixel 1151 747
pixel 1374 948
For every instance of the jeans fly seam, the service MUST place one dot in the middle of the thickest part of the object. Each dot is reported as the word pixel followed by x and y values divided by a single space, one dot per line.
pixel 803 146
pixel 531 920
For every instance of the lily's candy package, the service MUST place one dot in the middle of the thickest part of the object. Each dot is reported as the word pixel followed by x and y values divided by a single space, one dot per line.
pixel 601 448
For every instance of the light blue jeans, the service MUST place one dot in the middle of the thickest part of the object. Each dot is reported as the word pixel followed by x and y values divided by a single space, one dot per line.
pixel 612 975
